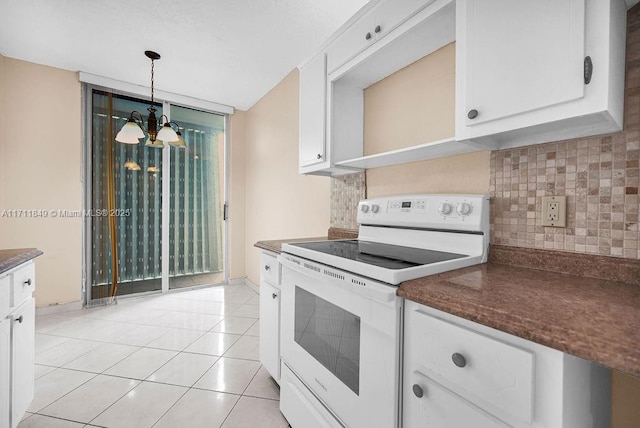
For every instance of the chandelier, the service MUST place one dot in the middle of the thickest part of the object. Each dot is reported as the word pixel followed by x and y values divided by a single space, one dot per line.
pixel 159 131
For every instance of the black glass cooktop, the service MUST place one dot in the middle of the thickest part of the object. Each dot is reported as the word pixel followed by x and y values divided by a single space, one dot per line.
pixel 382 255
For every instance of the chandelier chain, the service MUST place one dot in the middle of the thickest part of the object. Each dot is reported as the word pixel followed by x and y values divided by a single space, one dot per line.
pixel 152 65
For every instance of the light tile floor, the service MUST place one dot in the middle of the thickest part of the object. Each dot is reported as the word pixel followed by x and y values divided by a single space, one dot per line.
pixel 187 359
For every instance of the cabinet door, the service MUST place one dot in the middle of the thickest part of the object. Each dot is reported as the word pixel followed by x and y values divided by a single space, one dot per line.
pixel 313 89
pixel 383 18
pixel 270 328
pixel 429 404
pixel 519 56
pixel 22 338
pixel 5 331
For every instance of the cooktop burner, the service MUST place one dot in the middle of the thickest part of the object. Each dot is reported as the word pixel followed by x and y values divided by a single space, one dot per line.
pixel 381 255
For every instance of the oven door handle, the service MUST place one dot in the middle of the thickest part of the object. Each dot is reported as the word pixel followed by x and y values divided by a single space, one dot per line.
pixel 378 292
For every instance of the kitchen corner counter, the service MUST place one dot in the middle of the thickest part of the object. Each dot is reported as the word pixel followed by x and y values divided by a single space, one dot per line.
pixel 276 245
pixel 592 318
pixel 14 257
pixel 334 233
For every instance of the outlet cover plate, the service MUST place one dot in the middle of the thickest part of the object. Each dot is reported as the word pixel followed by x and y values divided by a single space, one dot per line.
pixel 554 211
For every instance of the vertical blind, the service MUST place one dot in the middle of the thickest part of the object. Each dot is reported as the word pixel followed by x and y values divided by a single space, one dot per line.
pixel 195 243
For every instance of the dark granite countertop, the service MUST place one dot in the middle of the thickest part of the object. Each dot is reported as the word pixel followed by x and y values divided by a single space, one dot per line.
pixel 276 245
pixel 14 257
pixel 333 233
pixel 592 313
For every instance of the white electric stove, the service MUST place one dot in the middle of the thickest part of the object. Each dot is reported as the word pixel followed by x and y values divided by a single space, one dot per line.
pixel 408 237
pixel 341 321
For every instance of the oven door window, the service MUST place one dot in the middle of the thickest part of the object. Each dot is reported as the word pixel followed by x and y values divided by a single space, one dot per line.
pixel 329 334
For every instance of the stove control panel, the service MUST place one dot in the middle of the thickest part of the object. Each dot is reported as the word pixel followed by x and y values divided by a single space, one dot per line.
pixel 455 212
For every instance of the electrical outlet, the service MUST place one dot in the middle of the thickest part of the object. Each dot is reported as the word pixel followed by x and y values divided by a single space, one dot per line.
pixel 554 211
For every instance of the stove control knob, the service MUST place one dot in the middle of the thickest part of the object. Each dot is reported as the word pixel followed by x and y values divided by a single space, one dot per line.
pixel 364 208
pixel 375 208
pixel 463 209
pixel 445 208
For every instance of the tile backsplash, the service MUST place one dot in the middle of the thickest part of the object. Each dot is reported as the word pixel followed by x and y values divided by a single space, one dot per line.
pixel 346 192
pixel 599 176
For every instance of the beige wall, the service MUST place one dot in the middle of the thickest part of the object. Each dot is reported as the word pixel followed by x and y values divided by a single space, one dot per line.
pixel 413 106
pixel 280 203
pixel 237 190
pixel 41 167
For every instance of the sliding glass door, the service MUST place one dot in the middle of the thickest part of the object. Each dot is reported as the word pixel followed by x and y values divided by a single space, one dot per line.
pixel 196 200
pixel 154 215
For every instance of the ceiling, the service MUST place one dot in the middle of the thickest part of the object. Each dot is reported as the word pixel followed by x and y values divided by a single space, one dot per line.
pixel 225 51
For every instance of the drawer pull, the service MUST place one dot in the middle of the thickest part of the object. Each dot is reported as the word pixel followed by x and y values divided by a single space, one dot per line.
pixel 267 267
pixel 459 360
pixel 367 36
pixel 472 114
pixel 19 319
pixel 417 390
pixel 27 282
pixel 274 295
pixel 378 29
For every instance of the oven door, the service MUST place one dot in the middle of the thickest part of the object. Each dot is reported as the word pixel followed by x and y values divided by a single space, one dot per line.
pixel 340 335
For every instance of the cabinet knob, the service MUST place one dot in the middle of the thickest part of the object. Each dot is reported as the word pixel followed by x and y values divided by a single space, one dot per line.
pixel 27 282
pixel 588 70
pixel 319 156
pixel 274 295
pixel 368 36
pixel 19 319
pixel 378 29
pixel 417 390
pixel 459 360
pixel 267 267
pixel 472 114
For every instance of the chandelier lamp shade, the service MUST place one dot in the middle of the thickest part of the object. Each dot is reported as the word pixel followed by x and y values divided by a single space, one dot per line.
pixel 159 131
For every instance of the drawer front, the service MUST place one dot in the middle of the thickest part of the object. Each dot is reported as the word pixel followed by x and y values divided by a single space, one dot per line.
pixel 269 268
pixel 485 371
pixel 24 283
pixel 429 404
pixel 5 296
pixel 300 407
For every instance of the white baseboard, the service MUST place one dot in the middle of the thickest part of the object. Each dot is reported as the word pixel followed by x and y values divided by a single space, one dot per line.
pixel 245 281
pixel 252 285
pixel 58 308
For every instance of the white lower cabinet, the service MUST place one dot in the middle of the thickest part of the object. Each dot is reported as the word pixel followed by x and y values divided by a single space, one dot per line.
pixel 270 328
pixel 17 336
pixel 270 314
pixel 460 374
pixel 22 341
pixel 5 371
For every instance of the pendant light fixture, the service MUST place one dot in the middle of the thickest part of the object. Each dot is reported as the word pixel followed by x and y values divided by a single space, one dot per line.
pixel 158 130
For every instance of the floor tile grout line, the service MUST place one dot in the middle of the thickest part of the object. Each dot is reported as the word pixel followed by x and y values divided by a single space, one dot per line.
pixel 69 392
pixel 99 317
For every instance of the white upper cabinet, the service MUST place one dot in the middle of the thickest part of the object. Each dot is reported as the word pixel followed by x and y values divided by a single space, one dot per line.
pixel 312 110
pixel 532 72
pixel 378 22
pixel 526 72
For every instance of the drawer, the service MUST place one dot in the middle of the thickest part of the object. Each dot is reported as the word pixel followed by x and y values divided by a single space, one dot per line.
pixel 300 406
pixel 489 373
pixel 23 283
pixel 427 403
pixel 5 296
pixel 269 268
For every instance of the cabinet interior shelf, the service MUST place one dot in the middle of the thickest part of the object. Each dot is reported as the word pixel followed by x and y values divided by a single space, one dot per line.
pixel 426 151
